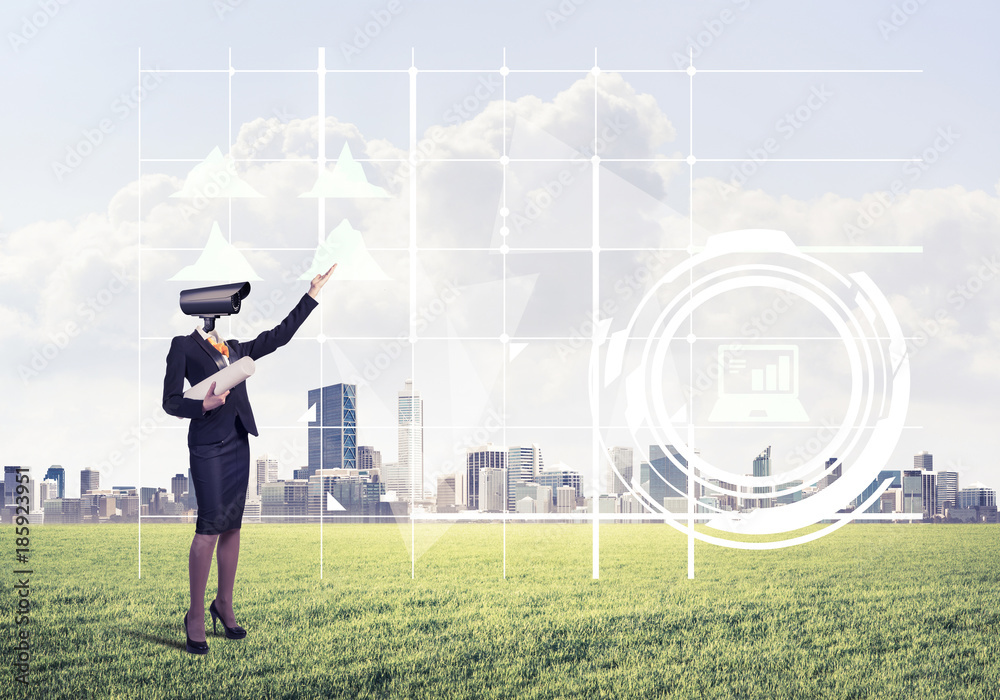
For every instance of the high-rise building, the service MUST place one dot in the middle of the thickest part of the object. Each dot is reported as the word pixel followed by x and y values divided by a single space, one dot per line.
pixel 178 487
pixel 947 490
pixel 560 475
pixel 266 473
pixel 369 458
pixel 762 467
pixel 924 461
pixel 90 480
pixel 930 494
pixel 411 437
pixel 975 495
pixel 445 497
pixel 523 465
pixel 565 499
pixel 57 473
pixel 621 459
pixel 11 478
pixel 493 490
pixel 397 480
pixel 333 436
pixel 832 476
pixel 662 477
pixel 913 490
pixel 897 483
pixel 47 490
pixel 477 459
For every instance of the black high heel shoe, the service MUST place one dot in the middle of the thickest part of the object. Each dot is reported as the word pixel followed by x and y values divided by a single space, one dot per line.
pixel 194 647
pixel 234 632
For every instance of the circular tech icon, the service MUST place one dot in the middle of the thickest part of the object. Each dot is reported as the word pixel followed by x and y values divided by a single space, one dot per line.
pixel 753 382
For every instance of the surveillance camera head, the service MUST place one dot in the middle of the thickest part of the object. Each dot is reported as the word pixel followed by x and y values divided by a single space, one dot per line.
pixel 211 302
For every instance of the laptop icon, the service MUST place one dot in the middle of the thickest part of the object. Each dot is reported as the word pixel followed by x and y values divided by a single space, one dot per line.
pixel 758 384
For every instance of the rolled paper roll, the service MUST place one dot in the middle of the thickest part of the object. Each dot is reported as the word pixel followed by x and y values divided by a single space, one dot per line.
pixel 225 379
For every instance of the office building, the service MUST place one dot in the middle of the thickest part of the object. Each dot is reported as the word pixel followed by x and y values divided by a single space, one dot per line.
pixel 47 490
pixel 90 480
pixel 924 461
pixel 57 473
pixel 354 493
pixel 178 487
pixel 761 468
pixel 930 494
pixel 284 501
pixel 975 495
pixel 63 511
pixel 493 490
pixel 411 437
pixel 620 470
pixel 398 481
pixel 663 476
pixel 445 498
pixel 523 465
pixel 724 493
pixel 477 459
pixel 947 491
pixel 557 476
pixel 11 479
pixel 912 482
pixel 565 499
pixel 333 436
pixel 266 473
pixel 832 476
pixel 897 483
pixel 369 458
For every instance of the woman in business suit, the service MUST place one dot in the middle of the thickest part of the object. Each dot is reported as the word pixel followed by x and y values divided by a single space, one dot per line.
pixel 220 456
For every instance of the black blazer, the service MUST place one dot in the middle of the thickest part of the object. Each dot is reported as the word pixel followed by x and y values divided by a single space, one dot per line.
pixel 193 358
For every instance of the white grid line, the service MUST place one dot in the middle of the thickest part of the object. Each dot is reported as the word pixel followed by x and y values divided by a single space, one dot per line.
pixel 595 250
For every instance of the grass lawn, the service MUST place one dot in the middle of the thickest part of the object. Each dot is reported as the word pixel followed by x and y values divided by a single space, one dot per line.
pixel 871 611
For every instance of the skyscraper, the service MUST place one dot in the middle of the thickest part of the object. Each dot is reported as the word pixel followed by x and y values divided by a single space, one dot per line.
pixel 90 480
pixel 493 489
pixel 662 477
pixel 913 491
pixel 369 458
pixel 58 474
pixel 267 473
pixel 411 438
pixel 333 436
pixel 477 459
pixel 947 491
pixel 762 467
pixel 445 499
pixel 622 459
pixel 178 487
pixel 523 465
pixel 924 461
pixel 397 479
pixel 930 494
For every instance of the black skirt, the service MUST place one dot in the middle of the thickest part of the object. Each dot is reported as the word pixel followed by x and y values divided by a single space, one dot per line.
pixel 220 472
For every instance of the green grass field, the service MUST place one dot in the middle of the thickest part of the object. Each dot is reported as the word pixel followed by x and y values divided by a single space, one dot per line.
pixel 872 611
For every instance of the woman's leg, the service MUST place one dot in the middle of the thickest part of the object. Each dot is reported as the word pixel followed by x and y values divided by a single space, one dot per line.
pixel 228 557
pixel 199 565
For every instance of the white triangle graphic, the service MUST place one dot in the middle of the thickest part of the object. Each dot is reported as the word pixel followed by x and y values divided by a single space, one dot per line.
pixel 310 415
pixel 332 503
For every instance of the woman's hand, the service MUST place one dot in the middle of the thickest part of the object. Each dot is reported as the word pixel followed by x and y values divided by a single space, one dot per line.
pixel 211 400
pixel 319 280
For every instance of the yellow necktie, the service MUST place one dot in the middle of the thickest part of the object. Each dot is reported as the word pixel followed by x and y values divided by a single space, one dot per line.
pixel 221 347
